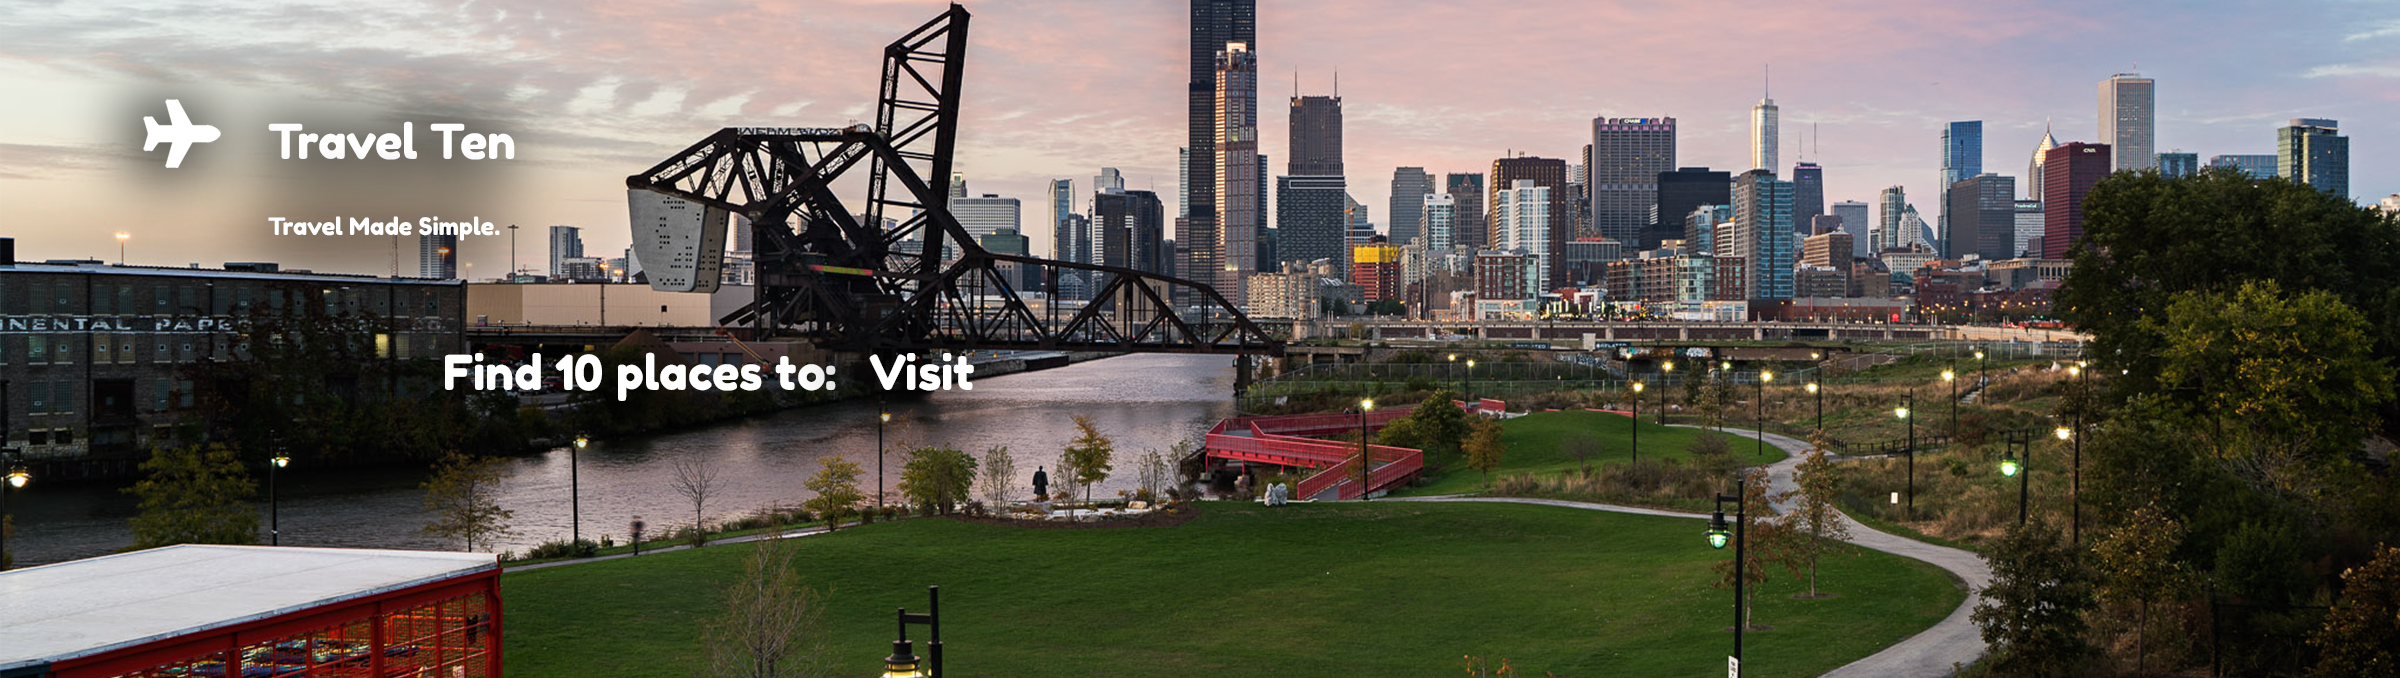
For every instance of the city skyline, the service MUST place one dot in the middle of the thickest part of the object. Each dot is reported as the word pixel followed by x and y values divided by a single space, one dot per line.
pixel 562 80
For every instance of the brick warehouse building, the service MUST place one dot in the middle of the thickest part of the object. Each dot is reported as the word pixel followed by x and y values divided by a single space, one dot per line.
pixel 95 359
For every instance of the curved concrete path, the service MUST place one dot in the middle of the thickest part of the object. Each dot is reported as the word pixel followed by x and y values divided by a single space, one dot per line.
pixel 1932 653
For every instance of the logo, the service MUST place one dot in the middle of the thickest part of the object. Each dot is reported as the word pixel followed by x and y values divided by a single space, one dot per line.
pixel 179 134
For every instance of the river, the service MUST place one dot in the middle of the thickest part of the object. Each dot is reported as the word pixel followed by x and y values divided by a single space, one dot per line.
pixel 1141 402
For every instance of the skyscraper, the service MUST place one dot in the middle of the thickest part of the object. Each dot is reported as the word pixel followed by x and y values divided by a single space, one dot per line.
pixel 1887 233
pixel 1316 137
pixel 2313 151
pixel 1068 242
pixel 1962 157
pixel 1410 185
pixel 1311 220
pixel 2033 168
pixel 1808 194
pixel 1546 172
pixel 1854 222
pixel 1216 24
pixel 1240 200
pixel 1983 218
pixel 1127 229
pixel 2178 164
pixel 1526 223
pixel 437 256
pixel 1764 139
pixel 2070 171
pixel 566 242
pixel 1762 234
pixel 2128 121
pixel 2029 229
pixel 1680 192
pixel 1467 188
pixel 1441 221
pixel 1628 155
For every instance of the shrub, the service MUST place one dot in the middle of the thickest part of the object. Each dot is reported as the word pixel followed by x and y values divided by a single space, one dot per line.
pixel 561 548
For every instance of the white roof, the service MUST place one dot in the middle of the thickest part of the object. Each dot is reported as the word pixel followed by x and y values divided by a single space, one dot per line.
pixel 84 607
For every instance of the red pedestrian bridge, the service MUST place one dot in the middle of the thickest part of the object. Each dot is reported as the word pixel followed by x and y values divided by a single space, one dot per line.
pixel 1286 440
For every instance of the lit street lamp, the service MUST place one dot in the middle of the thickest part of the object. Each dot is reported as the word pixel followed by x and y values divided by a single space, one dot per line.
pixel 1819 392
pixel 1365 463
pixel 1902 412
pixel 2020 468
pixel 575 489
pixel 1669 367
pixel 17 477
pixel 121 238
pixel 1636 423
pixel 275 503
pixel 1951 377
pixel 1471 381
pixel 880 419
pixel 1764 376
pixel 1717 536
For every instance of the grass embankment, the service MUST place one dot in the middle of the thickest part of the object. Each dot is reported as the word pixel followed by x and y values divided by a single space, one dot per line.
pixel 1536 446
pixel 1380 588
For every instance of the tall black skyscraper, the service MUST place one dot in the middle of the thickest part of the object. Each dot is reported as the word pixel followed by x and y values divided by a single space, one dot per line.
pixel 1215 24
pixel 1311 201
pixel 1680 192
pixel 1808 194
pixel 1316 137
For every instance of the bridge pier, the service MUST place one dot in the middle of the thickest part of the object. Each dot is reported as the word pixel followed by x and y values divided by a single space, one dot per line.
pixel 1242 374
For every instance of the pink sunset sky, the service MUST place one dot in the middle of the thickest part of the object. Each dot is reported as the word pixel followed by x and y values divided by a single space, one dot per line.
pixel 593 91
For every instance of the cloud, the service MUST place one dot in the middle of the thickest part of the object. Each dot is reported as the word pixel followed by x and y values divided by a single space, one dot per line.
pixel 2385 30
pixel 2391 70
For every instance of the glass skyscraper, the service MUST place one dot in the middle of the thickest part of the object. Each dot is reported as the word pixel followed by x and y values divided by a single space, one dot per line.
pixel 2314 152
pixel 2129 120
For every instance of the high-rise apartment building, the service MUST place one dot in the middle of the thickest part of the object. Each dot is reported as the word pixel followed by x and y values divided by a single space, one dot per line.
pixel 2177 164
pixel 1962 157
pixel 1762 233
pixel 2258 165
pixel 2313 151
pixel 1622 175
pixel 1467 189
pixel 1700 227
pixel 1216 25
pixel 1128 229
pixel 1550 173
pixel 1240 199
pixel 981 216
pixel 2029 229
pixel 1854 222
pixel 1441 221
pixel 1528 225
pixel 2129 121
pixel 1068 240
pixel 1808 194
pixel 437 257
pixel 1311 219
pixel 566 242
pixel 1983 218
pixel 1887 233
pixel 1410 185
pixel 2070 171
pixel 1680 192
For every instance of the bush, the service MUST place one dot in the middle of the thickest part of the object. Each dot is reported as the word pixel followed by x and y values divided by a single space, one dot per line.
pixel 561 548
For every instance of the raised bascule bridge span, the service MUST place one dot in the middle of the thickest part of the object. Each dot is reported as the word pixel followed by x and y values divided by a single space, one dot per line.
pixel 883 267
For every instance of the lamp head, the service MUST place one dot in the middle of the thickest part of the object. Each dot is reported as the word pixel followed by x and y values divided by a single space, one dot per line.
pixel 1453 357
pixel 1949 375
pixel 1978 355
pixel 122 236
pixel 1766 376
pixel 2009 466
pixel 1637 387
pixel 1669 366
pixel 1717 535
pixel 2063 433
pixel 282 460
pixel 1901 412
pixel 2074 370
pixel 1812 387
pixel 886 417
pixel 1470 363
pixel 18 477
pixel 582 442
pixel 902 663
pixel 1366 404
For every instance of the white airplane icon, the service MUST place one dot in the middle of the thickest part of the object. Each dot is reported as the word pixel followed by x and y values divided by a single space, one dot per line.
pixel 180 134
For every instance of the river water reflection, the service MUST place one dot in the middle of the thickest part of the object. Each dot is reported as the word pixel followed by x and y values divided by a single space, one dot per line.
pixel 1140 401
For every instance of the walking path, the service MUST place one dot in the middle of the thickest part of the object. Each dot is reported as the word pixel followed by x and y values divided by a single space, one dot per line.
pixel 799 532
pixel 1932 653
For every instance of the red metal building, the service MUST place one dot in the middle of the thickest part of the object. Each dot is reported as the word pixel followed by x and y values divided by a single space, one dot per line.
pixel 255 612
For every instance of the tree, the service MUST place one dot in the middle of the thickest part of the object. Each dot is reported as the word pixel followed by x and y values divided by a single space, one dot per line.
pixel 1485 447
pixel 999 475
pixel 773 624
pixel 1712 454
pixel 2136 568
pixel 464 497
pixel 1817 527
pixel 1440 425
pixel 695 479
pixel 1087 458
pixel 835 490
pixel 194 495
pixel 1764 542
pixel 936 479
pixel 2361 635
pixel 1155 475
pixel 2032 612
pixel 1581 447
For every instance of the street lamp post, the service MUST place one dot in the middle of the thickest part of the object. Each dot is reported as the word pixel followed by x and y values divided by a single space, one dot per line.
pixel 1983 369
pixel 121 238
pixel 575 489
pixel 1951 377
pixel 1764 376
pixel 274 502
pixel 1911 513
pixel 2021 467
pixel 1724 374
pixel 512 254
pixel 1365 463
pixel 17 477
pixel 1717 538
pixel 881 418
pixel 1471 400
pixel 1819 392
pixel 1636 422
pixel 1454 370
pixel 904 663
pixel 1669 371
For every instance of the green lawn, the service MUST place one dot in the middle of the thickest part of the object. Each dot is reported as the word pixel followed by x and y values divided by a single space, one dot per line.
pixel 1382 588
pixel 1534 447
